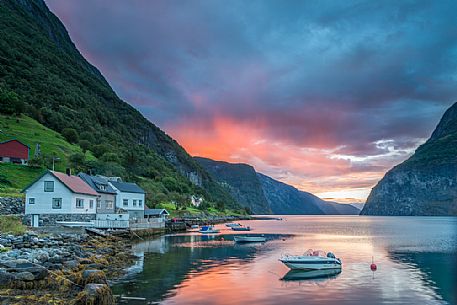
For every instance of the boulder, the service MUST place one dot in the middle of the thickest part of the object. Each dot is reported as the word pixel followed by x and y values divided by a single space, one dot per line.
pixel 99 294
pixel 6 278
pixel 94 276
pixel 24 276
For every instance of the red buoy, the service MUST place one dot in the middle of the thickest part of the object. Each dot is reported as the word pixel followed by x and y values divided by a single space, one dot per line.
pixel 222 239
pixel 373 266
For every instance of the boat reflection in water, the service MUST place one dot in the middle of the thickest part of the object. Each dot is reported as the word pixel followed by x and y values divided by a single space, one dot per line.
pixel 300 275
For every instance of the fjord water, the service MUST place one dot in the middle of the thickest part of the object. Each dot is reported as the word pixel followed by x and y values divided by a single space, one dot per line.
pixel 416 259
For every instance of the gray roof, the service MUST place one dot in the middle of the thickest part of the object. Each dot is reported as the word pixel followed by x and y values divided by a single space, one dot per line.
pixel 127 187
pixel 148 212
pixel 95 182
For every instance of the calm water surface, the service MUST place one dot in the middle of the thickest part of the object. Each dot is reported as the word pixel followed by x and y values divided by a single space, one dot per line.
pixel 415 257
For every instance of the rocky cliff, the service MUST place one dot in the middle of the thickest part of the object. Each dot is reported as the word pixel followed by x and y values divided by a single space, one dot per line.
pixel 265 195
pixel 241 181
pixel 426 183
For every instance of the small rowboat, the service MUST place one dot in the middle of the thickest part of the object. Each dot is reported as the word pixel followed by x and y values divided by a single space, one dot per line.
pixel 249 239
pixel 232 225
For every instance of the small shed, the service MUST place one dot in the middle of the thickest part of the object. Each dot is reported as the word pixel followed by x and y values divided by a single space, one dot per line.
pixel 156 213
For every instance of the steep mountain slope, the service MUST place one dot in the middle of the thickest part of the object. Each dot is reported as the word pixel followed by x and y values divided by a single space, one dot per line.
pixel 56 86
pixel 241 181
pixel 285 199
pixel 265 195
pixel 426 183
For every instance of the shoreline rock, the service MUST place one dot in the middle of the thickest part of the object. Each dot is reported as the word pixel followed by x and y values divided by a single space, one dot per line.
pixel 59 268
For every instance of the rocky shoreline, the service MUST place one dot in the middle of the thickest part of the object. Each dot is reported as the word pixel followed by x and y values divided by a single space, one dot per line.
pixel 61 268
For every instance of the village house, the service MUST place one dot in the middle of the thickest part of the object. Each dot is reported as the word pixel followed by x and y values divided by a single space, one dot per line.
pixel 106 201
pixel 155 214
pixel 130 197
pixel 56 196
pixel 14 151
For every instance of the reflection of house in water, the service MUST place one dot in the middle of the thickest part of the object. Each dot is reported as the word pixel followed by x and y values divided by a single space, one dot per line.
pixel 159 245
pixel 438 271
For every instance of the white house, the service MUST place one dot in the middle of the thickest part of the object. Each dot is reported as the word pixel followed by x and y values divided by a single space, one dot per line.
pixel 129 197
pixel 57 196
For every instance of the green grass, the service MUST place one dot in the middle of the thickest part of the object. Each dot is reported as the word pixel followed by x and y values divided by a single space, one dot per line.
pixel 12 225
pixel 13 178
pixel 31 132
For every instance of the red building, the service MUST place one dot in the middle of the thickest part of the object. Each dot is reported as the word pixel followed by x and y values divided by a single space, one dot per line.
pixel 14 151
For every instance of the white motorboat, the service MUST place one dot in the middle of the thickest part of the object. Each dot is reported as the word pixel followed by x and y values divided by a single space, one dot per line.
pixel 312 260
pixel 232 225
pixel 209 230
pixel 249 239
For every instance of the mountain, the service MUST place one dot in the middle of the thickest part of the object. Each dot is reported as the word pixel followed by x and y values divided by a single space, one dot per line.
pixel 241 181
pixel 44 76
pixel 426 183
pixel 285 199
pixel 265 195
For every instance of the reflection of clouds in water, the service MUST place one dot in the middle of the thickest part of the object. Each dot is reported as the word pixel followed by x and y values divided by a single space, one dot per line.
pixel 185 269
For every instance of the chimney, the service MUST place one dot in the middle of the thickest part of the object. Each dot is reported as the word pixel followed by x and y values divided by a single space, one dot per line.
pixel 68 171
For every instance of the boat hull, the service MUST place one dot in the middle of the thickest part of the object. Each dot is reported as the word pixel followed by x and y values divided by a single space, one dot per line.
pixel 209 231
pixel 253 239
pixel 240 229
pixel 311 264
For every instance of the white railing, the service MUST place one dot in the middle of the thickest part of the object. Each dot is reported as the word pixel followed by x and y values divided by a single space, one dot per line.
pixel 111 224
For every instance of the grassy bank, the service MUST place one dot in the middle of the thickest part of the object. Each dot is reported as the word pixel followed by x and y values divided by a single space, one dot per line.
pixel 11 225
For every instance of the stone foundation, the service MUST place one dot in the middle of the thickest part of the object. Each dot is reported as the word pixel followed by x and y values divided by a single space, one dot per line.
pixel 50 219
pixel 11 205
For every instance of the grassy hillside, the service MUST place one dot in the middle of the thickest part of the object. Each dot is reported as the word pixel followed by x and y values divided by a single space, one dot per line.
pixel 14 177
pixel 44 76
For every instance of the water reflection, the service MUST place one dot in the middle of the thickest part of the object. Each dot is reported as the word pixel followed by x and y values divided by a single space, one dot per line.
pixel 196 269
pixel 300 275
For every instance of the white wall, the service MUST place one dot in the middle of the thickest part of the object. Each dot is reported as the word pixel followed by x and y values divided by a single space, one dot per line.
pixel 130 197
pixel 43 200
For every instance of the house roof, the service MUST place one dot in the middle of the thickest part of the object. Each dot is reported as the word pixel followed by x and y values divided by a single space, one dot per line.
pixel 14 149
pixel 127 187
pixel 15 141
pixel 73 183
pixel 94 182
pixel 149 212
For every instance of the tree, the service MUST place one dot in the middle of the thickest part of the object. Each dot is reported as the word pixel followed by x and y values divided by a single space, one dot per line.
pixel 70 135
pixel 10 102
pixel 100 149
pixel 85 145
pixel 87 136
pixel 77 161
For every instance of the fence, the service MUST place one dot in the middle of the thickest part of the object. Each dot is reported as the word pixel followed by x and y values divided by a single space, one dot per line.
pixel 111 224
pixel 152 223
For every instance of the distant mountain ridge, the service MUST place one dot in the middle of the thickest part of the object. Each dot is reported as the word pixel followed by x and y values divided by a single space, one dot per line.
pixel 265 195
pixel 426 183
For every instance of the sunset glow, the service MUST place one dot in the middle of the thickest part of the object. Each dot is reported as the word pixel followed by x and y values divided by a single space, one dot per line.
pixel 321 95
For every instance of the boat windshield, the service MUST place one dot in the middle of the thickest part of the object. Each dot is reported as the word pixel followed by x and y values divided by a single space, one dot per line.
pixel 319 253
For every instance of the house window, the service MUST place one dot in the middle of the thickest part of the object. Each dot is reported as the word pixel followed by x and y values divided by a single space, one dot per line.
pixel 91 204
pixel 31 200
pixel 56 203
pixel 134 202
pixel 140 203
pixel 102 187
pixel 109 204
pixel 99 203
pixel 49 186
pixel 79 203
pixel 125 202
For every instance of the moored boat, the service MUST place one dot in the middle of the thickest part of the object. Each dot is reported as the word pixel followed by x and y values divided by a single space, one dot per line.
pixel 208 230
pixel 249 239
pixel 312 260
pixel 240 228
pixel 232 225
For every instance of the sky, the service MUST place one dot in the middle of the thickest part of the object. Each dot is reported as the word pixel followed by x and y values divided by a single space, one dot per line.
pixel 324 95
